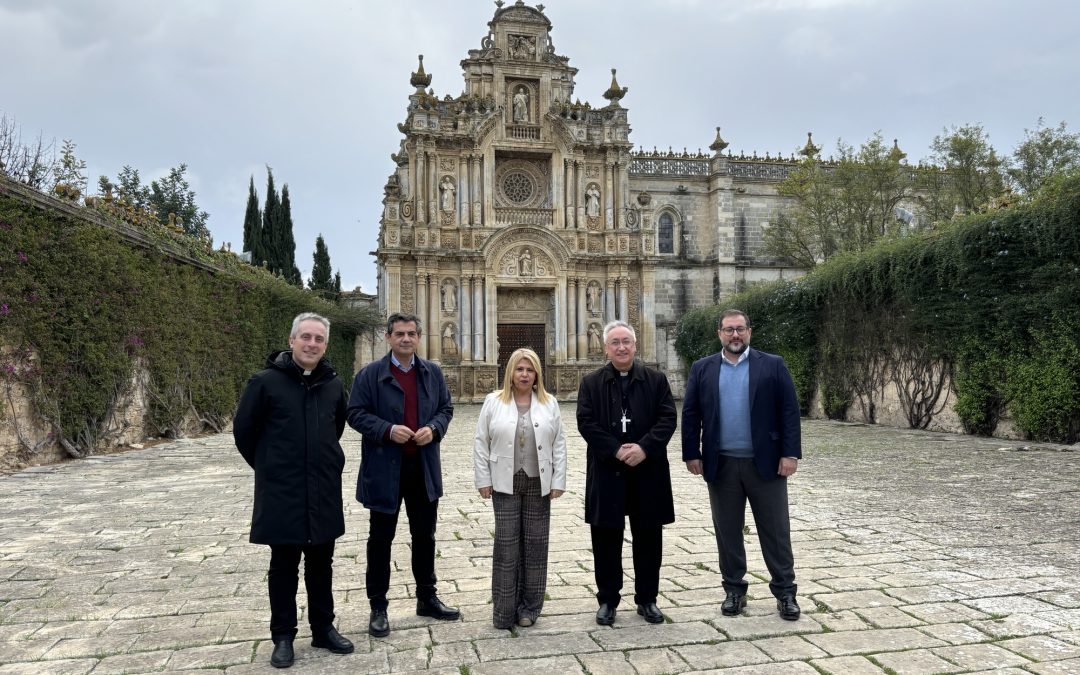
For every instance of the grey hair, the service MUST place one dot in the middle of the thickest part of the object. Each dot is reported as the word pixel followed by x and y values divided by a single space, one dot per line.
pixel 612 325
pixel 309 316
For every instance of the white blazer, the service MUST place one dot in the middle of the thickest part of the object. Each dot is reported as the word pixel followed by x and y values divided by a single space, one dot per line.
pixel 493 446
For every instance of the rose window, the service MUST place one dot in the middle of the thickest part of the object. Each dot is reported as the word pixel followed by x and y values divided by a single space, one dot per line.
pixel 518 187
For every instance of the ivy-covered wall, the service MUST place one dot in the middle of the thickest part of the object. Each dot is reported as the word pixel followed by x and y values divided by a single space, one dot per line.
pixel 988 305
pixel 83 307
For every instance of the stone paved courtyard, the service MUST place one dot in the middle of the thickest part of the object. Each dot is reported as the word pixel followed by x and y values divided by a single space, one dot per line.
pixel 915 552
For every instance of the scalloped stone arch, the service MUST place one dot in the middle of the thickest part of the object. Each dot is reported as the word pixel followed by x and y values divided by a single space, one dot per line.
pixel 503 240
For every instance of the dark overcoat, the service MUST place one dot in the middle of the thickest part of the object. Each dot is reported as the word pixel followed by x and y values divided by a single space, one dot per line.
pixel 375 403
pixel 288 430
pixel 652 409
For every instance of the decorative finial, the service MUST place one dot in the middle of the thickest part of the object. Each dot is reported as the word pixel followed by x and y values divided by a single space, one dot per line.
pixel 896 154
pixel 540 8
pixel 810 150
pixel 420 79
pixel 719 144
pixel 499 4
pixel 614 92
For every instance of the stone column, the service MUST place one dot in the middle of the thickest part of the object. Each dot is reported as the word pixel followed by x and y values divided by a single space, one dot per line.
pixel 624 313
pixel 422 312
pixel 560 321
pixel 479 327
pixel 433 190
pixel 420 186
pixel 434 316
pixel 609 219
pixel 571 320
pixel 579 199
pixel 568 192
pixel 462 193
pixel 466 319
pixel 616 196
pixel 609 301
pixel 474 186
pixel 648 309
pixel 582 326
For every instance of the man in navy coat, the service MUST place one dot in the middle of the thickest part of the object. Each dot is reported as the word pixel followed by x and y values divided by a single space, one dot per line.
pixel 401 406
pixel 740 430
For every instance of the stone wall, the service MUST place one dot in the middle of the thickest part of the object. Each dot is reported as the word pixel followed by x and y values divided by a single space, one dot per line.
pixel 26 439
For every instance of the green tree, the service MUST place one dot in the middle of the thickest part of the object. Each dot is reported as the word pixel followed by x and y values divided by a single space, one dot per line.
pixel 253 225
pixel 271 223
pixel 1044 152
pixel 974 170
pixel 337 285
pixel 321 280
pixel 70 173
pixel 286 243
pixel 842 207
pixel 127 188
pixel 173 195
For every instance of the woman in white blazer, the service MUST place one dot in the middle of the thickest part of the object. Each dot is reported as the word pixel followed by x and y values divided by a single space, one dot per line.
pixel 519 455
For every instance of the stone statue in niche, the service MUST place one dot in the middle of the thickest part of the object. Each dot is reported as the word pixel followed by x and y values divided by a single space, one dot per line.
pixel 592 298
pixel 521 106
pixel 525 263
pixel 595 345
pixel 449 296
pixel 592 201
pixel 449 340
pixel 447 191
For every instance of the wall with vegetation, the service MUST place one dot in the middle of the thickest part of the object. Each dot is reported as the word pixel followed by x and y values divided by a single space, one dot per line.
pixel 112 328
pixel 980 315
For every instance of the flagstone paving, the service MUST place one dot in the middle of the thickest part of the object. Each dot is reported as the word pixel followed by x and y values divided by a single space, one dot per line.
pixel 915 553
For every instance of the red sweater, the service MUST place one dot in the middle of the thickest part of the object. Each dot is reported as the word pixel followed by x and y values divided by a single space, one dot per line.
pixel 407 380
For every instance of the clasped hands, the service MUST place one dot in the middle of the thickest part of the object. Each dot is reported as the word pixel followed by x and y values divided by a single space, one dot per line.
pixel 630 454
pixel 485 492
pixel 403 434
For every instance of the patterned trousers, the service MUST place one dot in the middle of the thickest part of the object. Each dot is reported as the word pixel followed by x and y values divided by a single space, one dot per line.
pixel 519 562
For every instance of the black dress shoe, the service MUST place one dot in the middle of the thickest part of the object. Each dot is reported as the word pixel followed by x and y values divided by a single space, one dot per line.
pixel 733 604
pixel 651 612
pixel 788 608
pixel 378 624
pixel 283 654
pixel 605 616
pixel 333 641
pixel 435 608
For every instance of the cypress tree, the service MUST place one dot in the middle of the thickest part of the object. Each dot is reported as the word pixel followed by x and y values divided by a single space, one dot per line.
pixel 271 225
pixel 253 225
pixel 337 285
pixel 287 243
pixel 321 281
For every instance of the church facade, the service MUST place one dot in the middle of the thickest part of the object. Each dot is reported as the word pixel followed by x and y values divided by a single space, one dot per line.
pixel 518 216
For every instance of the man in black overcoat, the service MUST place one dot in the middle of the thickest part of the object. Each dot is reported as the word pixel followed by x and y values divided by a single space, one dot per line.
pixel 287 427
pixel 626 414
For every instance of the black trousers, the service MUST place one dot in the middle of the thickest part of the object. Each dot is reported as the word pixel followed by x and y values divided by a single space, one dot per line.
pixel 736 482
pixel 422 518
pixel 283 578
pixel 648 544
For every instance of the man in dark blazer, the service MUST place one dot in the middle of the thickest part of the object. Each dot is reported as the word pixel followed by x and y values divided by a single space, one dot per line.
pixel 401 406
pixel 626 414
pixel 287 426
pixel 740 430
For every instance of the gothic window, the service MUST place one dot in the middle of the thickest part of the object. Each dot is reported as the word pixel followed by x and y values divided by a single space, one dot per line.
pixel 666 234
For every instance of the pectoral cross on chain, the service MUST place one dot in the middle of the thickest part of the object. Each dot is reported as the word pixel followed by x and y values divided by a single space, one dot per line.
pixel 624 421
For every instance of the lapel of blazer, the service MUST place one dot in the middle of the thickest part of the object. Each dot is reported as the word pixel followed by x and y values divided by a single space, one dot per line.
pixel 755 366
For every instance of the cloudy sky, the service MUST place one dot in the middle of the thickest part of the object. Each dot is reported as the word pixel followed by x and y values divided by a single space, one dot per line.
pixel 315 88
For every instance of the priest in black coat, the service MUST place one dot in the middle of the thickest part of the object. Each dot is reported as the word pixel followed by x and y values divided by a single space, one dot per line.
pixel 626 414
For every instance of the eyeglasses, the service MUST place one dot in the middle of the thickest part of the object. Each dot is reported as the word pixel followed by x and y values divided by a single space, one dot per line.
pixel 729 330
pixel 625 342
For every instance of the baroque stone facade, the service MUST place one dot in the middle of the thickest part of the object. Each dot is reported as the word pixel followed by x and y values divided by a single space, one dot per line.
pixel 517 215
